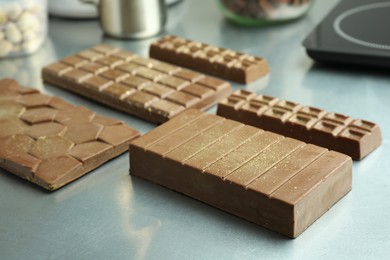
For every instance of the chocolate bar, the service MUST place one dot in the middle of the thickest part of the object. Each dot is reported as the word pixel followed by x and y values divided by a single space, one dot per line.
pixel 51 142
pixel 354 137
pixel 219 62
pixel 142 87
pixel 277 182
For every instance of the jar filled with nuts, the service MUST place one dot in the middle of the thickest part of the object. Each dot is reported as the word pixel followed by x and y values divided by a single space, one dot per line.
pixel 23 26
pixel 263 12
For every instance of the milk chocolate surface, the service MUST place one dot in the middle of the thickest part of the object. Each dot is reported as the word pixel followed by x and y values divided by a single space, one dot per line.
pixel 277 182
pixel 147 88
pixel 220 62
pixel 51 142
pixel 354 137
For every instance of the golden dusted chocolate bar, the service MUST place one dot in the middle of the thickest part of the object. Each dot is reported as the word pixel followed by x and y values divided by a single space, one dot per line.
pixel 277 182
pixel 51 142
pixel 219 62
pixel 354 137
pixel 143 87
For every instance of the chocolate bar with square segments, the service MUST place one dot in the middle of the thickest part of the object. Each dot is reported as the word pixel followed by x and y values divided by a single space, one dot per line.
pixel 356 138
pixel 277 182
pixel 50 142
pixel 144 87
pixel 219 62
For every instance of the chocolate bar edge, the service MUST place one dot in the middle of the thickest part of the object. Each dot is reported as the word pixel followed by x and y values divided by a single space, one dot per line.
pixel 337 186
pixel 242 77
pixel 141 113
pixel 364 148
pixel 16 164
pixel 169 173
pixel 173 179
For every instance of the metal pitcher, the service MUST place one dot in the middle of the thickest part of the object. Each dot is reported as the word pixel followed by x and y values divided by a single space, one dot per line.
pixel 134 19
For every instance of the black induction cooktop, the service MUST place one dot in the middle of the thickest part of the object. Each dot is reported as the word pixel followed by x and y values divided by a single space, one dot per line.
pixel 355 32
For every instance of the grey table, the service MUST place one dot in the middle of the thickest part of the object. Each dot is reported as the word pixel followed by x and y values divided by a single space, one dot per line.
pixel 108 214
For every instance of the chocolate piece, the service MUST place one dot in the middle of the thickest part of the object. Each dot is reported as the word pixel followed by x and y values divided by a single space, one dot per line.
pixel 143 87
pixel 50 142
pixel 220 62
pixel 354 137
pixel 277 182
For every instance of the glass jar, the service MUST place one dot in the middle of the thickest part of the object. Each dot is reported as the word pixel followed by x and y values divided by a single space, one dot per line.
pixel 23 26
pixel 263 12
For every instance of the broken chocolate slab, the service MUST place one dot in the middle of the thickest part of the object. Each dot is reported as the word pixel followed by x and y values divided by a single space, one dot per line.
pixel 277 182
pixel 219 62
pixel 354 137
pixel 143 87
pixel 51 142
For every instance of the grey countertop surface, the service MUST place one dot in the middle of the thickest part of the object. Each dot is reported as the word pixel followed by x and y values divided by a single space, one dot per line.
pixel 108 214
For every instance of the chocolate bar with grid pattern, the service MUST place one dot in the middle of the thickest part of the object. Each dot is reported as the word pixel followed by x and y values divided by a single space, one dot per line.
pixel 219 62
pixel 354 137
pixel 51 142
pixel 147 88
pixel 277 182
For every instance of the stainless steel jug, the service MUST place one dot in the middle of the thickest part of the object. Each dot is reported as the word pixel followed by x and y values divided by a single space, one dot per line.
pixel 133 19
